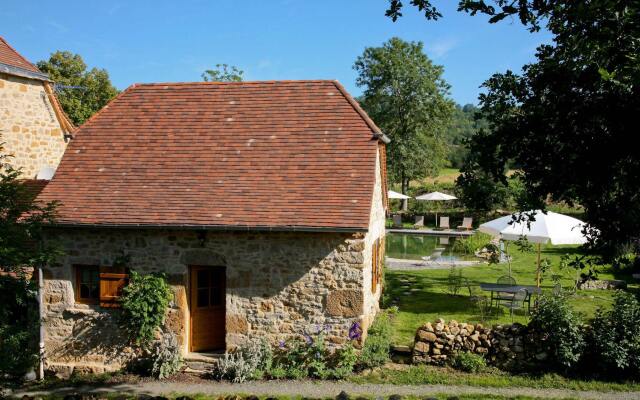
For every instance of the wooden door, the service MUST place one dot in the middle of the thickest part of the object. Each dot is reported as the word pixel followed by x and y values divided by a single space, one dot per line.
pixel 208 308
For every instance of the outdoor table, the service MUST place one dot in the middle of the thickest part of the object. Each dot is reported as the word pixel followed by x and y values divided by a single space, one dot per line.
pixel 512 289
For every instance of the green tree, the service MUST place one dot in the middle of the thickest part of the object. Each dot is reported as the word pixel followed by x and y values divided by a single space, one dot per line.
pixel 223 73
pixel 466 122
pixel 406 95
pixel 564 121
pixel 81 92
pixel 21 246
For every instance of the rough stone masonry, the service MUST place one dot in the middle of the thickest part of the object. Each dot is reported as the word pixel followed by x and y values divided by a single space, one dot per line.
pixel 279 285
pixel 29 129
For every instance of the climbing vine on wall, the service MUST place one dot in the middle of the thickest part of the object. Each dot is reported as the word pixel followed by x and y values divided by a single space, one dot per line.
pixel 144 304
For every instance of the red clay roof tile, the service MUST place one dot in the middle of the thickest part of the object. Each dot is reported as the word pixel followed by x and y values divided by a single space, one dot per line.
pixel 277 154
pixel 9 56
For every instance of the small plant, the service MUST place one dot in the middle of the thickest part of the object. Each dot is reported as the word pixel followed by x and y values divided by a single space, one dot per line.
pixel 615 336
pixel 234 367
pixel 454 281
pixel 481 303
pixel 471 244
pixel 344 361
pixel 250 361
pixel 375 351
pixel 524 245
pixel 144 304
pixel 560 331
pixel 469 362
pixel 626 258
pixel 584 265
pixel 166 356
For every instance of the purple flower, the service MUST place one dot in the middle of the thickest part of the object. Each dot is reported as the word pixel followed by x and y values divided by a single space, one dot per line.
pixel 308 339
pixel 281 344
pixel 355 332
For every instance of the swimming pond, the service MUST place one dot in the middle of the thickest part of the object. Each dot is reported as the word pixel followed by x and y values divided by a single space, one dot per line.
pixel 416 246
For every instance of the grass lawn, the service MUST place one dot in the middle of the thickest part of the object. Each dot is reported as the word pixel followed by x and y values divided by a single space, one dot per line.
pixel 430 299
pixel 492 377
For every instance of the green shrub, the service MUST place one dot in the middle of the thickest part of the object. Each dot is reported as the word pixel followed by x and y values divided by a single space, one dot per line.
pixel 560 331
pixel 469 362
pixel 166 356
pixel 144 304
pixel 471 244
pixel 344 361
pixel 375 351
pixel 301 358
pixel 454 281
pixel 626 258
pixel 250 361
pixel 615 336
pixel 18 326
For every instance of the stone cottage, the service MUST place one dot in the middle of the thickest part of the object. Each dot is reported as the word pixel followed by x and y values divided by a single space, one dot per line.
pixel 33 127
pixel 263 203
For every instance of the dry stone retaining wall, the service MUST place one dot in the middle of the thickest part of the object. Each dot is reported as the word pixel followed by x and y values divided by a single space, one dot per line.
pixel 505 346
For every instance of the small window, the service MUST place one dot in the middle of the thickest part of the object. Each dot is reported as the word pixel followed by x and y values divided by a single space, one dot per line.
pixel 87 284
pixel 101 285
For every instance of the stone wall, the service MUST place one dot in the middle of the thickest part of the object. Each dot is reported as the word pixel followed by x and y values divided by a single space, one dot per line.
pixel 509 347
pixel 29 127
pixel 279 285
pixel 376 231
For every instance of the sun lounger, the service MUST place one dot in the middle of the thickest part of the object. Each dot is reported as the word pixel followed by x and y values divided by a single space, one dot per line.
pixel 467 223
pixel 397 221
pixel 444 223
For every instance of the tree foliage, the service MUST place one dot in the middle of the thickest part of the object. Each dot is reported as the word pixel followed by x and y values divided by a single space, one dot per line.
pixel 564 121
pixel 22 221
pixel 223 73
pixel 530 12
pixel 81 92
pixel 466 122
pixel 18 325
pixel 21 246
pixel 405 93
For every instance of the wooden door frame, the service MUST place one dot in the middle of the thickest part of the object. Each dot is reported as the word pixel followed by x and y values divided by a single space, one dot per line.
pixel 190 269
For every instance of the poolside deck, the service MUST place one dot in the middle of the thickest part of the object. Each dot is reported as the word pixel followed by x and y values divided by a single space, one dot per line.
pixel 448 232
pixel 408 265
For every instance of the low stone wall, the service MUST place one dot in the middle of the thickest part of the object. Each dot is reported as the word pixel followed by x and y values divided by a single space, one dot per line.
pixel 597 284
pixel 505 346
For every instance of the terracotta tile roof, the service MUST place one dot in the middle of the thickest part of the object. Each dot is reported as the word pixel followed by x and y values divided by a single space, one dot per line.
pixel 9 56
pixel 277 154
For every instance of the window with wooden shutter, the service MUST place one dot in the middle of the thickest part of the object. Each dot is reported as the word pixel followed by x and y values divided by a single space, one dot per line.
pixel 112 281
pixel 87 284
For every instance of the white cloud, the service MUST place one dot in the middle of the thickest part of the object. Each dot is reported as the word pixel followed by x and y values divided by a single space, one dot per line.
pixel 441 47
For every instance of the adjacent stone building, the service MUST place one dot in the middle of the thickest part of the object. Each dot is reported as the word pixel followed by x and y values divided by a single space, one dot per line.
pixel 262 202
pixel 33 127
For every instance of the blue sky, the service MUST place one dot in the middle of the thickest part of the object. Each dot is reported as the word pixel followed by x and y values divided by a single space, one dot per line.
pixel 165 41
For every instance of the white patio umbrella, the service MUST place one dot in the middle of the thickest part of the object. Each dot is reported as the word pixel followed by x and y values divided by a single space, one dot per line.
pixel 436 196
pixel 551 228
pixel 395 195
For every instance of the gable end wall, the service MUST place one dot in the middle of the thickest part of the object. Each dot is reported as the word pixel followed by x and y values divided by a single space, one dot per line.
pixel 29 127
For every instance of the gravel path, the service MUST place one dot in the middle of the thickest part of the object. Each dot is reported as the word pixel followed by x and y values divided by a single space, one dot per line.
pixel 324 390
